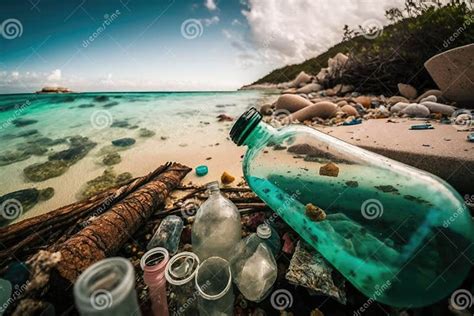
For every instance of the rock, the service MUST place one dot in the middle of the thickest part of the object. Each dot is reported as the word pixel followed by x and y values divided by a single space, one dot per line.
pixel 15 203
pixel 430 98
pixel 227 178
pixel 364 100
pixel 416 110
pixel 437 93
pixel 311 87
pixel 46 170
pixel 330 92
pixel 20 122
pixel 291 103
pixel 407 91
pixel 78 149
pixel 107 180
pixel 101 98
pixel 315 213
pixel 143 132
pixel 301 79
pixel 289 91
pixel 123 142
pixel 86 105
pixel 349 110
pixel 28 133
pixel 329 170
pixel 224 118
pixel 324 109
pixel 46 194
pixel 111 104
pixel 309 269
pixel 111 159
pixel 120 124
pixel 342 103
pixel 10 157
pixel 32 149
pixel 439 108
pixel 399 107
pixel 266 109
pixel 397 99
pixel 322 75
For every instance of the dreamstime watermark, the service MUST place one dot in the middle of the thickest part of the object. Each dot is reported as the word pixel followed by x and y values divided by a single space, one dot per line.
pixel 459 31
pixel 371 29
pixel 101 119
pixel 191 29
pixel 104 206
pixel 189 209
pixel 281 299
pixel 18 110
pixel 453 217
pixel 190 300
pixel 16 294
pixel 461 299
pixel 281 117
pixel 469 199
pixel 11 209
pixel 101 299
pixel 379 291
pixel 11 29
pixel 108 19
pixel 371 209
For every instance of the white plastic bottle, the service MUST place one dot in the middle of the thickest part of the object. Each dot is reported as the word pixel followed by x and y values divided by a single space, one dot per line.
pixel 217 229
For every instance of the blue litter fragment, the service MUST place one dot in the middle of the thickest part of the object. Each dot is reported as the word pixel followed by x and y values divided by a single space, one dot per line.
pixel 470 137
pixel 421 126
pixel 353 122
pixel 201 170
pixel 445 120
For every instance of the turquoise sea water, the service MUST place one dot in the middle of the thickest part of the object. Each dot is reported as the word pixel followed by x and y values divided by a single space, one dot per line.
pixel 35 126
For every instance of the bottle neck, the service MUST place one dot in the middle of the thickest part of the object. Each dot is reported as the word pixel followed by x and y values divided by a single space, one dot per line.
pixel 260 134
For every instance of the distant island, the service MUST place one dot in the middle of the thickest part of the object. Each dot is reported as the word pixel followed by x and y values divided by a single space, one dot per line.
pixel 54 90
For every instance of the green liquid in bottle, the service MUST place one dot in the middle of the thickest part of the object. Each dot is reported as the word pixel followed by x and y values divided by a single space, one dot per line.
pixel 400 235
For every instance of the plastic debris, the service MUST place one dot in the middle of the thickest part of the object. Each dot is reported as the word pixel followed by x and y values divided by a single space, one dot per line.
pixel 168 234
pixel 421 126
pixel 201 170
pixel 309 269
pixel 470 137
pixel 353 122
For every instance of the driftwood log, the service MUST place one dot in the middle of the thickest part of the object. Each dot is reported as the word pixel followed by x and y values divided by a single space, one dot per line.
pixel 55 270
pixel 18 240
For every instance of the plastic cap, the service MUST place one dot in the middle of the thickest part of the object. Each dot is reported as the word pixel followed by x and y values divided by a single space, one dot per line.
pixel 264 231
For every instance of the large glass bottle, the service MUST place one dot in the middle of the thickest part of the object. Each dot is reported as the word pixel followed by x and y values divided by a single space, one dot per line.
pixel 400 235
pixel 216 229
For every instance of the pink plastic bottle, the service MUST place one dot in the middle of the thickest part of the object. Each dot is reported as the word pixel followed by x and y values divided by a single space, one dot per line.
pixel 153 264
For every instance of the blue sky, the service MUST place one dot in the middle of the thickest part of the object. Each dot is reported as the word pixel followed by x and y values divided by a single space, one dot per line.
pixel 140 45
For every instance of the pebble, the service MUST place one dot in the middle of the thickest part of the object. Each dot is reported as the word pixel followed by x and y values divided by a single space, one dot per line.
pixel 315 213
pixel 301 79
pixel 396 99
pixel 311 87
pixel 324 109
pixel 364 101
pixel 399 107
pixel 224 118
pixel 266 109
pixel 435 107
pixel 408 91
pixel 437 93
pixel 416 110
pixel 349 110
pixel 291 102
pixel 123 142
pixel 330 170
pixel 227 178
pixel 431 98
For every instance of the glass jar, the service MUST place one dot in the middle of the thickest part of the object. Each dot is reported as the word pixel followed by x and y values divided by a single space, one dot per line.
pixel 216 229
pixel 180 273
pixel 214 284
pixel 153 264
pixel 107 288
pixel 382 224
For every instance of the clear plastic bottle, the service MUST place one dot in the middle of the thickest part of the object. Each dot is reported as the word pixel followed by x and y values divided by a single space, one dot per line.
pixel 107 288
pixel 253 265
pixel 168 234
pixel 214 284
pixel 216 229
pixel 382 224
pixel 180 273
pixel 153 264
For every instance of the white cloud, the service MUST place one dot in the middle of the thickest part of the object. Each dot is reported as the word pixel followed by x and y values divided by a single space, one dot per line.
pixel 55 75
pixel 211 5
pixel 211 21
pixel 286 32
pixel 236 22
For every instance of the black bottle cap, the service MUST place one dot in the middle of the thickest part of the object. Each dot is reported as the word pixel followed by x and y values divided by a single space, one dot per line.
pixel 245 125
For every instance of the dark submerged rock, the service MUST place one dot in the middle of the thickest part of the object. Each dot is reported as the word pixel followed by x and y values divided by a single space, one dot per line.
pixel 20 122
pixel 123 142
